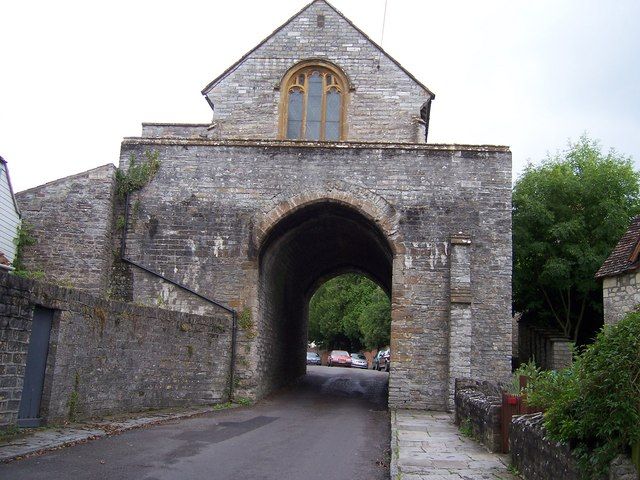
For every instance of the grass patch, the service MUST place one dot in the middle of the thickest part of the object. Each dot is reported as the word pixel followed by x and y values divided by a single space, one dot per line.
pixel 513 470
pixel 466 428
pixel 12 432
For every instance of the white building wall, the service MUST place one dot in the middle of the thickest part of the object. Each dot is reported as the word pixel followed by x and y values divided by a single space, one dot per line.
pixel 9 217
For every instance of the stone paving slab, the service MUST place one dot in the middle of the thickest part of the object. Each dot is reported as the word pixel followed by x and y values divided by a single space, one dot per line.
pixel 40 441
pixel 428 446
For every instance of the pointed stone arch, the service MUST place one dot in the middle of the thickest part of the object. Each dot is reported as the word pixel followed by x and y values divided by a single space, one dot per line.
pixel 370 205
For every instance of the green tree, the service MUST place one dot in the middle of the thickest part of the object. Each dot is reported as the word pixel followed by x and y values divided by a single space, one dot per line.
pixel 350 311
pixel 568 214
pixel 375 320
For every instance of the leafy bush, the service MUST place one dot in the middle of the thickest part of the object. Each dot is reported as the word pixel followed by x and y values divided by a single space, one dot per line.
pixel 529 370
pixel 594 406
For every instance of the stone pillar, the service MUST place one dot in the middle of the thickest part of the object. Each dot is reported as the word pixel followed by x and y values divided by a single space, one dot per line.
pixel 561 353
pixel 459 312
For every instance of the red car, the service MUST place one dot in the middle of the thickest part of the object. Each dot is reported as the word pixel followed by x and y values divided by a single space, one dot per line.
pixel 339 358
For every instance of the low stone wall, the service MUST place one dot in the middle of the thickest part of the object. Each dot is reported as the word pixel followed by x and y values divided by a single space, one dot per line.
pixel 107 357
pixel 478 404
pixel 536 457
pixel 623 469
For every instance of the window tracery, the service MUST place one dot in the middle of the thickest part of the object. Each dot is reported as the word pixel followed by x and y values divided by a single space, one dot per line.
pixel 314 104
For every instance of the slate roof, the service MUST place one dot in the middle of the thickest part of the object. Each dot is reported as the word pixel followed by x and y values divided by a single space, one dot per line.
pixel 624 257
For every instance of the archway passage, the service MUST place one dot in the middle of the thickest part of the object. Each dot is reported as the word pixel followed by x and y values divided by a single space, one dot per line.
pixel 302 251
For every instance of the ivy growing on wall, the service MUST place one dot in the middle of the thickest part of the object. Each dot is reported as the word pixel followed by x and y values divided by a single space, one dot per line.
pixel 138 174
pixel 24 239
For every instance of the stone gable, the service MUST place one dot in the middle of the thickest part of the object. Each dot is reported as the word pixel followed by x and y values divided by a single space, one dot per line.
pixel 384 102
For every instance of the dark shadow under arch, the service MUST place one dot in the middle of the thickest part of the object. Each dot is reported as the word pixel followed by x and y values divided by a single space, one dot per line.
pixel 302 250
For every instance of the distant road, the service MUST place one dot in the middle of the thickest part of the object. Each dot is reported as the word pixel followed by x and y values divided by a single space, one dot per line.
pixel 333 425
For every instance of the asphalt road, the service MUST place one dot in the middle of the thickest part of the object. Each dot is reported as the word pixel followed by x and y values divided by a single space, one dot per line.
pixel 333 425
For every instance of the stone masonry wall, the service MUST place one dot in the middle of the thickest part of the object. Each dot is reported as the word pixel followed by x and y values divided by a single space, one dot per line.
pixel 117 357
pixel 199 218
pixel 383 104
pixel 536 457
pixel 621 294
pixel 71 221
pixel 479 405
pixel 622 468
pixel 177 130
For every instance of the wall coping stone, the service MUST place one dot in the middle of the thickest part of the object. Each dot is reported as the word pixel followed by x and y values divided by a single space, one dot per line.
pixel 323 145
pixel 109 166
pixel 55 296
pixel 169 124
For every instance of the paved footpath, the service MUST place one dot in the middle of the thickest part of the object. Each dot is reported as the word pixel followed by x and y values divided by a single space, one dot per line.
pixel 428 446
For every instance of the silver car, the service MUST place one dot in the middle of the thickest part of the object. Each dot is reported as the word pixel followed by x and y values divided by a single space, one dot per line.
pixel 313 359
pixel 358 360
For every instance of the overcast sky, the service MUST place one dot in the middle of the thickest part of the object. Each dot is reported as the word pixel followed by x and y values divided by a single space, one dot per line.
pixel 77 77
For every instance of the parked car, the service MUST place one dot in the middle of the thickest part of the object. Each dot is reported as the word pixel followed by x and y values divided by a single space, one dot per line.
pixel 313 359
pixel 358 360
pixel 339 358
pixel 375 363
pixel 385 361
pixel 382 360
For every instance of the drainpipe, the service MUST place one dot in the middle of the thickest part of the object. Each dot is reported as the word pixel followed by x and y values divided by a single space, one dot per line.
pixel 234 314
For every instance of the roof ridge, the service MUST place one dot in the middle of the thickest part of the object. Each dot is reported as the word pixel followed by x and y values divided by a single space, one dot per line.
pixel 382 50
pixel 236 64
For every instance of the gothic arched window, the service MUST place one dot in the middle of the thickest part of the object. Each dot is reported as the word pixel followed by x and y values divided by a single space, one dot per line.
pixel 313 108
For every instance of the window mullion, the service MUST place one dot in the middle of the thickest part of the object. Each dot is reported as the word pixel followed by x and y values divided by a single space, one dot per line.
pixel 323 108
pixel 303 127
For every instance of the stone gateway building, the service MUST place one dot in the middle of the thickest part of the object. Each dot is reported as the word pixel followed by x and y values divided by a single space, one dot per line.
pixel 315 164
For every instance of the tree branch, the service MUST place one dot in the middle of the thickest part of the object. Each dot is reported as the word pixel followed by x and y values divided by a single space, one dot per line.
pixel 582 308
pixel 553 310
pixel 568 313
